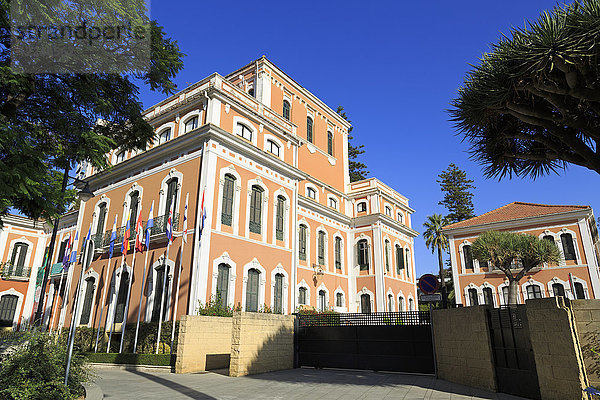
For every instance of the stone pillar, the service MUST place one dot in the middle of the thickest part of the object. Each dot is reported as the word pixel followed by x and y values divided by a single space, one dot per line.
pixel 587 323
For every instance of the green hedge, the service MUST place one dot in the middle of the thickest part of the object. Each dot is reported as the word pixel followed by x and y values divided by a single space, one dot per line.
pixel 85 338
pixel 129 358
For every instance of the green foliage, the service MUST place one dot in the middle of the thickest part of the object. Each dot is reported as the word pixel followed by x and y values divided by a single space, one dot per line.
pixel 458 198
pixel 532 104
pixel 48 122
pixel 36 370
pixel 358 170
pixel 435 239
pixel 129 358
pixel 216 308
pixel 312 311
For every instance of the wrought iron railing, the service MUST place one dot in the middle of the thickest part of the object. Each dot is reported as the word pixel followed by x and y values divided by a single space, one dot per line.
pixel 15 271
pixel 360 319
pixel 255 227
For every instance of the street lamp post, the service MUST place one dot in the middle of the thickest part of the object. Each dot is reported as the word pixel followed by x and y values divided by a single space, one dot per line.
pixel 84 195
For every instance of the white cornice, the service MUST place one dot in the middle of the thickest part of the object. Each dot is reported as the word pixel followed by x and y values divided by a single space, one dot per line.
pixel 371 219
pixel 323 210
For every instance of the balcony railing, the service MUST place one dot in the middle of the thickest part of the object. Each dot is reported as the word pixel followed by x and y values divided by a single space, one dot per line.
pixel 15 271
pixel 102 240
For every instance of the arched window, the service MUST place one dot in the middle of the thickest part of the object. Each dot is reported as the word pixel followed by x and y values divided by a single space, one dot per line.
pixel 365 303
pixel 387 251
pixel 172 187
pixel 101 218
pixel 251 92
pixel 89 255
pixel 252 290
pixel 243 131
pixel 273 147
pixel 558 289
pixel 302 243
pixel 488 296
pixel 62 251
pixel 390 302
pixel 549 238
pixel 321 248
pixel 534 292
pixel 361 207
pixel 134 199
pixel 468 257
pixel 256 209
pixel 17 259
pixel 400 218
pixel 164 136
pixel 339 300
pixel 227 206
pixel 473 297
pixel 568 246
pixel 191 124
pixel 121 156
pixel 222 283
pixel 338 253
pixel 278 295
pixel 160 293
pixel 309 129
pixel 87 301
pixel 363 254
pixel 302 296
pixel 333 203
pixel 579 291
pixel 312 193
pixel 399 259
pixel 8 309
pixel 286 110
pixel 411 305
pixel 279 222
pixel 122 296
pixel 388 211
pixel 322 304
pixel 400 303
pixel 330 143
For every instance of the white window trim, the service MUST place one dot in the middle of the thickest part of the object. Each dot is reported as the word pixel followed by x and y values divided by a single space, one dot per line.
pixel 535 283
pixel 415 304
pixel 264 212
pixel 284 293
pixel 150 296
pixel 387 296
pixel 261 283
pixel 468 298
pixel 494 294
pixel 575 245
pixel 161 129
pixel 401 301
pixel 391 208
pixel 286 216
pixel 29 244
pixel 408 263
pixel 366 206
pixel 586 291
pixel 402 274
pixel 225 259
pixel 82 293
pixel 278 142
pixel 369 253
pixel 162 203
pixel 364 290
pixel 501 295
pixel 235 218
pixel 96 214
pixel 335 199
pixel 327 302
pixel 186 118
pixel 566 287
pixel 310 185
pixel 343 308
pixel 20 298
pixel 400 217
pixel 115 156
pixel 390 257
pixel 326 244
pixel 304 222
pixel 342 260
pixel 248 124
pixel 558 243
pixel 304 285
pixel 461 258
pixel 127 204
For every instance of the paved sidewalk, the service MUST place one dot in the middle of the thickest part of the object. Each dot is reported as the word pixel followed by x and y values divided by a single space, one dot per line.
pixel 303 383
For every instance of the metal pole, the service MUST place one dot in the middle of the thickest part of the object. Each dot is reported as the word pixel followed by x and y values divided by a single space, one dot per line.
pixel 102 306
pixel 127 300
pixel 137 327
pixel 114 311
pixel 433 341
pixel 37 321
pixel 177 296
pixel 162 303
pixel 62 280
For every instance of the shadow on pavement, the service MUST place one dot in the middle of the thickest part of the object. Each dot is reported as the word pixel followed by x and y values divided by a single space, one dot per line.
pixel 187 391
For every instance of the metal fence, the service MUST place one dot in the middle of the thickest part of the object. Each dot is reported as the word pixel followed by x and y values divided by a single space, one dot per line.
pixel 360 319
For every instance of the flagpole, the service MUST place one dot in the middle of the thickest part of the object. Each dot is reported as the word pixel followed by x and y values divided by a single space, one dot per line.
pixel 111 245
pixel 164 286
pixel 114 309
pixel 62 280
pixel 183 241
pixel 149 226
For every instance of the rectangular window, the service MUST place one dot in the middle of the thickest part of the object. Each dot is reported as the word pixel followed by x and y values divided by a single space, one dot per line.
pixel 399 259
pixel 133 208
pixel 280 215
pixel 8 307
pixel 256 210
pixel 223 284
pixel 278 295
pixel 387 256
pixel 568 246
pixel 302 296
pixel 321 249
pixel 101 218
pixel 171 196
pixel 363 255
pixel 227 206
pixel 468 257
pixel 338 253
pixel 302 243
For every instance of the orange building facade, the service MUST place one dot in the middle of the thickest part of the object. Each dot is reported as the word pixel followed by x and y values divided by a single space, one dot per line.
pixel 572 228
pixel 281 227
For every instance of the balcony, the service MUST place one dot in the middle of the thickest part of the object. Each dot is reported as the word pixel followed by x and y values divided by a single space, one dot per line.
pixel 16 272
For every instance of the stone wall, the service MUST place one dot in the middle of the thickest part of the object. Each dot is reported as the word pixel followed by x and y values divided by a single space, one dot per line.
pixel 463 347
pixel 587 322
pixel 555 347
pixel 261 343
pixel 204 343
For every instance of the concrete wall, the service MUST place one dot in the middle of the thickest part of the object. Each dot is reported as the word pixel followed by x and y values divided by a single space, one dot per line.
pixel 463 347
pixel 557 356
pixel 587 322
pixel 204 343
pixel 261 343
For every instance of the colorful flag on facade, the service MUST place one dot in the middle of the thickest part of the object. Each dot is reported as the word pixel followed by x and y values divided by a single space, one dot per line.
pixel 185 222
pixel 149 225
pixel 67 255
pixel 202 214
pixel 126 236
pixel 169 230
pixel 113 239
pixel 74 251
pixel 139 232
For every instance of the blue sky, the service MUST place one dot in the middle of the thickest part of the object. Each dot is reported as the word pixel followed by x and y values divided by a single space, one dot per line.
pixel 394 66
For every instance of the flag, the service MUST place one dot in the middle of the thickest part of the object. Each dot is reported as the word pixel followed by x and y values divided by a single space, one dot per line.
pixel 113 239
pixel 74 251
pixel 202 215
pixel 149 225
pixel 67 257
pixel 86 243
pixel 185 228
pixel 126 235
pixel 139 232
pixel 169 230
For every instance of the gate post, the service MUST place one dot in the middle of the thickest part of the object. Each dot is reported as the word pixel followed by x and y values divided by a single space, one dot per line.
pixel 296 331
pixel 433 340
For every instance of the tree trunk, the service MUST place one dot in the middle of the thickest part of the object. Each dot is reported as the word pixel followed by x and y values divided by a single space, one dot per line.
pixel 442 279
pixel 513 292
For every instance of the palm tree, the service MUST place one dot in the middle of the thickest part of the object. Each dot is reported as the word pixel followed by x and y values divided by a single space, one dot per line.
pixel 435 239
pixel 510 251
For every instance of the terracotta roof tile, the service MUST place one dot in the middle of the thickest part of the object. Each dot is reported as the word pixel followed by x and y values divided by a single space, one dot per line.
pixel 515 210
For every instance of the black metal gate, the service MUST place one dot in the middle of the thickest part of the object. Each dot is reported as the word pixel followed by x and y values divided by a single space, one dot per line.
pixel 394 341
pixel 513 355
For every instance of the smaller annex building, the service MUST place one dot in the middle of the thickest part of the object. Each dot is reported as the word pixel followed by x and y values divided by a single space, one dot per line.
pixel 572 228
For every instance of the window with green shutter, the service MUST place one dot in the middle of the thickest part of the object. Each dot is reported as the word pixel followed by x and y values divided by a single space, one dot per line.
pixel 387 256
pixel 8 308
pixel 252 290
pixel 227 206
pixel 171 195
pixel 87 301
pixel 256 209
pixel 159 293
pixel 278 295
pixel 321 248
pixel 286 110
pixel 17 260
pixel 338 253
pixel 330 143
pixel 280 217
pixel 309 129
pixel 101 218
pixel 134 199
pixel 399 258
pixel 302 243
pixel 223 283
pixel 568 246
pixel 468 256
pixel 363 254
pixel 122 297
pixel 302 296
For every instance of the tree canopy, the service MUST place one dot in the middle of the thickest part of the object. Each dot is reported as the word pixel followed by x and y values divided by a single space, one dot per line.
pixel 532 104
pixel 358 170
pixel 458 198
pixel 49 122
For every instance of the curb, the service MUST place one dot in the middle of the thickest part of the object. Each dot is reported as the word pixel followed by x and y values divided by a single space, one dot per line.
pixel 93 391
pixel 132 367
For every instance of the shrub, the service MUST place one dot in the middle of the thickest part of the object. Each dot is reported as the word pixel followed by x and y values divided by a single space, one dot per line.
pixel 215 307
pixel 36 370
pixel 128 358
